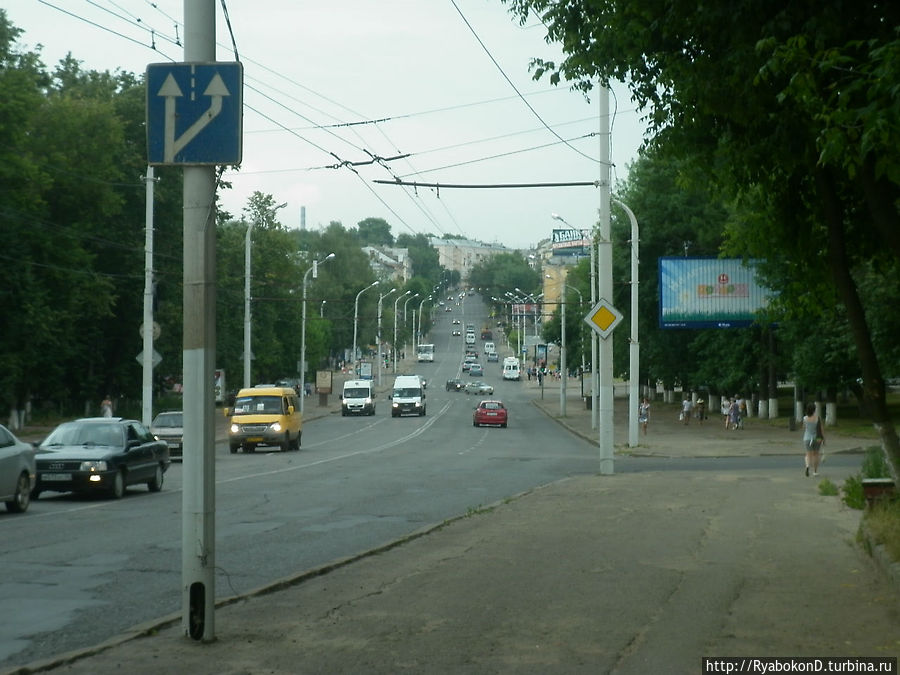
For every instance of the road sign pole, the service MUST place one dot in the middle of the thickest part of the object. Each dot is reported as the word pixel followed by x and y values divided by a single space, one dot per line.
pixel 605 290
pixel 147 332
pixel 198 497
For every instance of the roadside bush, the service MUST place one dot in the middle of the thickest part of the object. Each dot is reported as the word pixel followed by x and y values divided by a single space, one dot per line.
pixel 853 492
pixel 828 489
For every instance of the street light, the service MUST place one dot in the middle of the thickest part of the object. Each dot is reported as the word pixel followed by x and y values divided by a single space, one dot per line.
pixel 399 298
pixel 419 331
pixel 378 348
pixel 247 305
pixel 595 375
pixel 634 350
pixel 322 309
pixel 356 322
pixel 415 295
pixel 562 347
pixel 315 272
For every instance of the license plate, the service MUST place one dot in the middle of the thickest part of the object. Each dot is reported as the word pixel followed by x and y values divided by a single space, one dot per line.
pixel 56 477
pixel 174 444
pixel 492 414
pixel 255 439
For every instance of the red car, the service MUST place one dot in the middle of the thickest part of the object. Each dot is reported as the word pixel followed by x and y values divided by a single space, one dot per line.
pixel 490 412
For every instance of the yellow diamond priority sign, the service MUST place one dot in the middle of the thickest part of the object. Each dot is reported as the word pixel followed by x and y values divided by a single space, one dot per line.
pixel 603 318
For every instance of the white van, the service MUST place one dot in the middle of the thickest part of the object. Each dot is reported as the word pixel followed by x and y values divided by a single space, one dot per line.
pixel 470 338
pixel 408 396
pixel 511 368
pixel 489 348
pixel 358 398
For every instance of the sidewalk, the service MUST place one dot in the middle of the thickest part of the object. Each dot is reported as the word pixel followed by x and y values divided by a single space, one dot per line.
pixel 631 573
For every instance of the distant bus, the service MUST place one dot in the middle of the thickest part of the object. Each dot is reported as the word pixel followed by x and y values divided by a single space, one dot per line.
pixel 425 353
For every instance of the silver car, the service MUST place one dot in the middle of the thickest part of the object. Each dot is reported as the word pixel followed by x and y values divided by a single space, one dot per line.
pixel 17 471
pixel 168 426
pixel 480 388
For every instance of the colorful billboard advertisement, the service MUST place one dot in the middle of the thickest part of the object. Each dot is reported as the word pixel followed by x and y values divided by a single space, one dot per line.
pixel 709 293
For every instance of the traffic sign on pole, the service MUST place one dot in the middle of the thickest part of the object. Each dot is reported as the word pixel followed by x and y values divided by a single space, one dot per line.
pixel 603 318
pixel 194 113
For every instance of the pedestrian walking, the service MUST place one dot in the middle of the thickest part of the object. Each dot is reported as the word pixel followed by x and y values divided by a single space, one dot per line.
pixel 686 408
pixel 106 407
pixel 701 410
pixel 725 409
pixel 644 414
pixel 813 439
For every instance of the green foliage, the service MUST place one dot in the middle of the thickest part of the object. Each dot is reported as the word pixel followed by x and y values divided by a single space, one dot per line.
pixel 874 464
pixel 374 232
pixel 853 492
pixel 828 488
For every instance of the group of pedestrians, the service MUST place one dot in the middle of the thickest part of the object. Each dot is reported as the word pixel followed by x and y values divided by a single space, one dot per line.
pixel 734 410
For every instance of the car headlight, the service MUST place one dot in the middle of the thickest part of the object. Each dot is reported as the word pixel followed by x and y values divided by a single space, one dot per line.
pixel 93 466
pixel 368 401
pixel 395 405
pixel 235 428
pixel 276 427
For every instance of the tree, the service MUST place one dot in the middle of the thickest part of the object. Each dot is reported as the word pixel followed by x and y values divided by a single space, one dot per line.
pixel 374 232
pixel 783 98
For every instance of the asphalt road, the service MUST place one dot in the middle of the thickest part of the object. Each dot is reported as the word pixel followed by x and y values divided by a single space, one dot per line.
pixel 78 570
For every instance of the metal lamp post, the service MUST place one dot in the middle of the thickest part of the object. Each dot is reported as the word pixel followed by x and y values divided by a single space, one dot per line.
pixel 634 350
pixel 315 272
pixel 322 309
pixel 419 329
pixel 414 295
pixel 595 376
pixel 378 348
pixel 247 305
pixel 399 298
pixel 356 322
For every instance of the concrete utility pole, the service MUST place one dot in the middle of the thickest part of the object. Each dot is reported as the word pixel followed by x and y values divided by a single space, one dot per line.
pixel 198 563
pixel 147 332
pixel 605 291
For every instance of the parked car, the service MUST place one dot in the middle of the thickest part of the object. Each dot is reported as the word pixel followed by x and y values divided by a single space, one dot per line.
pixel 480 388
pixel 17 471
pixel 455 384
pixel 476 370
pixel 100 454
pixel 490 412
pixel 168 426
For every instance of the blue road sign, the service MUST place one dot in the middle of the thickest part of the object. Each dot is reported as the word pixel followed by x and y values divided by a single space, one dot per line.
pixel 194 113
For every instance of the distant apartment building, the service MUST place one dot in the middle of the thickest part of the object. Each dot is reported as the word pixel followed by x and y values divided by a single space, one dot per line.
pixel 462 255
pixel 388 262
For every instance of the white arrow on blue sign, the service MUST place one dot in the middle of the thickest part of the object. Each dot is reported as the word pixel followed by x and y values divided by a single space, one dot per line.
pixel 194 113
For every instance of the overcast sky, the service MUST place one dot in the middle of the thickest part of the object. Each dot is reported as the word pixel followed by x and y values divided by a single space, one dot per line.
pixel 423 69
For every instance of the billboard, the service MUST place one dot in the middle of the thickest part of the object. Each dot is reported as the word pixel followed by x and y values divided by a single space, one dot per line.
pixel 709 293
pixel 570 242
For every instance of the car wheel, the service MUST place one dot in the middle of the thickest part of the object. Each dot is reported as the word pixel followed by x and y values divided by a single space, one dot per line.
pixel 286 443
pixel 21 497
pixel 297 441
pixel 155 485
pixel 118 486
pixel 503 425
pixel 234 448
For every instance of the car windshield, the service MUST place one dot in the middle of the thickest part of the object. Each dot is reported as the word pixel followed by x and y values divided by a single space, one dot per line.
pixel 408 392
pixel 78 433
pixel 254 405
pixel 356 392
pixel 166 420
